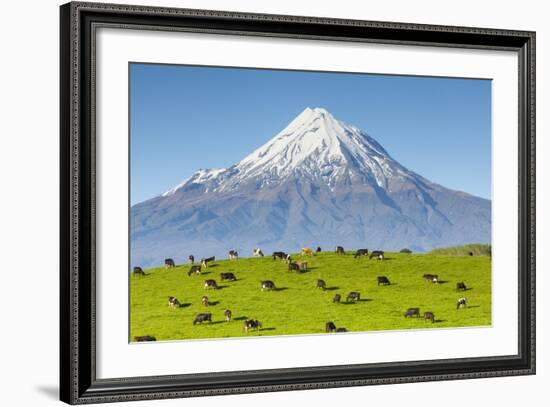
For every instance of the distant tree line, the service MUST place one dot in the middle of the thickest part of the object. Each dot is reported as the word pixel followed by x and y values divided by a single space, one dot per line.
pixel 472 249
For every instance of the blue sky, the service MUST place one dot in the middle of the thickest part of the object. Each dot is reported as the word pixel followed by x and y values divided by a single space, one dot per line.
pixel 183 118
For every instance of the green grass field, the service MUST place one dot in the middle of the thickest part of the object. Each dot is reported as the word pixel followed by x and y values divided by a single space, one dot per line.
pixel 298 307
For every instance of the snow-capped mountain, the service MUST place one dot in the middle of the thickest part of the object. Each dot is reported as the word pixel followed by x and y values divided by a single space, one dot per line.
pixel 318 182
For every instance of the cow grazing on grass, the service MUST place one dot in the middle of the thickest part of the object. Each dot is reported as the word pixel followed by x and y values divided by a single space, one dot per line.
pixel 173 302
pixel 377 254
pixel 258 253
pixel 461 303
pixel 250 324
pixel 321 284
pixel 330 327
pixel 200 318
pixel 353 297
pixel 207 260
pixel 138 271
pixel 460 286
pixel 169 263
pixel 337 298
pixel 431 277
pixel 293 267
pixel 318 249
pixel 205 301
pixel 279 255
pixel 429 316
pixel 302 265
pixel 306 251
pixel 412 312
pixel 196 269
pixel 228 277
pixel 210 284
pixel 361 252
pixel 267 285
pixel 227 315
pixel 340 250
pixel 146 338
pixel 191 259
pixel 233 255
pixel 341 330
pixel 383 280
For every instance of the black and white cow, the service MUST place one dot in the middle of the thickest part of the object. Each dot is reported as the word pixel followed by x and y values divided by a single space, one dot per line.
pixel 431 277
pixel 227 277
pixel 267 285
pixel 460 286
pixel 210 284
pixel 233 255
pixel 227 315
pixel 138 271
pixel 412 312
pixel 173 302
pixel 168 263
pixel 207 260
pixel 251 324
pixel 196 269
pixel 200 318
pixel 377 254
pixel 361 252
pixel 258 253
pixel 321 284
pixel 429 316
pixel 461 303
pixel 279 255
pixel 383 280
pixel 353 296
pixel 145 338
pixel 330 327
pixel 337 298
pixel 340 250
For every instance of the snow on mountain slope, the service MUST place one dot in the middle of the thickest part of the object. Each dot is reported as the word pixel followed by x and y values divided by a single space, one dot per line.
pixel 318 181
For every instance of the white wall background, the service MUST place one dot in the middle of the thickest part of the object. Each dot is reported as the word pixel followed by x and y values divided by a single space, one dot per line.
pixel 29 162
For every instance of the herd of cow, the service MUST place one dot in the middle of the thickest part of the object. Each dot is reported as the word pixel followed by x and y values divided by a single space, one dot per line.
pixel 298 267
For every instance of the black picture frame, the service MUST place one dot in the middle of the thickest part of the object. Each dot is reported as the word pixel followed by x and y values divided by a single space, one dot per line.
pixel 78 382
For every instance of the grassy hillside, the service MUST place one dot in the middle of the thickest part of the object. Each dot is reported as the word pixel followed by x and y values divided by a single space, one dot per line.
pixel 476 249
pixel 298 307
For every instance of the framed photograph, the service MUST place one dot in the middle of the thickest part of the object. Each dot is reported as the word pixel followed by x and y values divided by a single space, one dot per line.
pixel 255 203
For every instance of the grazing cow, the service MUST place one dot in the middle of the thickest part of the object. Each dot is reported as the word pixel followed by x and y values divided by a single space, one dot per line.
pixel 306 251
pixel 461 303
pixel 191 259
pixel 429 316
pixel 361 252
pixel 251 324
pixel 294 266
pixel 341 330
pixel 205 301
pixel 321 284
pixel 267 285
pixel 378 254
pixel 138 271
pixel 431 277
pixel 227 315
pixel 196 269
pixel 302 265
pixel 353 296
pixel 207 260
pixel 210 284
pixel 279 255
pixel 173 302
pixel 337 298
pixel 318 249
pixel 288 259
pixel 168 263
pixel 258 253
pixel 340 250
pixel 460 286
pixel 470 253
pixel 330 327
pixel 200 318
pixel 233 255
pixel 383 280
pixel 228 277
pixel 146 338
pixel 412 312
